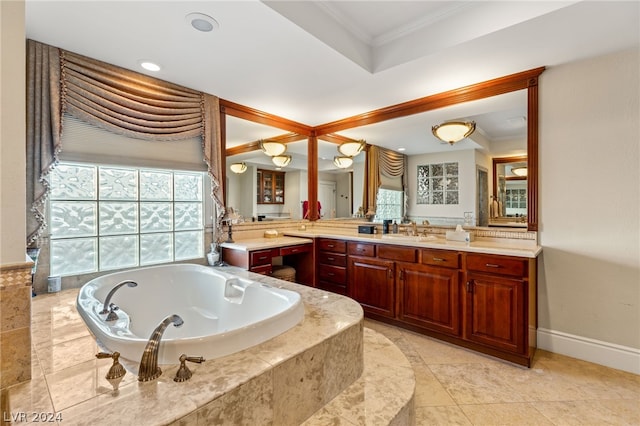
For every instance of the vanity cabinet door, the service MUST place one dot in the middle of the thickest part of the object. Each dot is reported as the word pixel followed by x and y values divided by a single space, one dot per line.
pixel 371 282
pixel 495 311
pixel 429 297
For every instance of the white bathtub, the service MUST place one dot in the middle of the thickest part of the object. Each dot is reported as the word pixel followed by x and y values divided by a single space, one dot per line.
pixel 222 313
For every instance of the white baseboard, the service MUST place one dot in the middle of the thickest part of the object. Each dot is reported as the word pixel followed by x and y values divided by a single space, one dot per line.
pixel 596 351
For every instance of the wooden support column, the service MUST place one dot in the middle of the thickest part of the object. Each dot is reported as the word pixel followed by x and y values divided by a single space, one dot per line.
pixel 312 180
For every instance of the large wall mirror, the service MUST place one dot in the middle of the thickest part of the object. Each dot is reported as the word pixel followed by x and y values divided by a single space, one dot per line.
pixel 501 131
pixel 506 114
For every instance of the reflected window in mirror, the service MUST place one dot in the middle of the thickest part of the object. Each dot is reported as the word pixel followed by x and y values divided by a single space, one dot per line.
pixel 389 205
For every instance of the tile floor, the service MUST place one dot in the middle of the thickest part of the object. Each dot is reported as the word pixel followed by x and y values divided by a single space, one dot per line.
pixel 456 386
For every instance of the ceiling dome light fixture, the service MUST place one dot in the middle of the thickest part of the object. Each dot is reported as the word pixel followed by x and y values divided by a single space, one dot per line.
pixel 149 66
pixel 342 162
pixel 201 22
pixel 519 171
pixel 453 131
pixel 272 149
pixel 281 160
pixel 238 167
pixel 351 149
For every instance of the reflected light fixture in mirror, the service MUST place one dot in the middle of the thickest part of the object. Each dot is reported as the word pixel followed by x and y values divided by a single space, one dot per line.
pixel 238 167
pixel 342 162
pixel 281 160
pixel 351 149
pixel 519 171
pixel 453 131
pixel 272 149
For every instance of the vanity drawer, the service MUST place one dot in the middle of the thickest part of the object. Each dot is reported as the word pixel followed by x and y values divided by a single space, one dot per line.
pixel 502 265
pixel 403 254
pixel 334 274
pixel 261 257
pixel 336 246
pixel 361 249
pixel 262 269
pixel 332 258
pixel 444 258
pixel 302 248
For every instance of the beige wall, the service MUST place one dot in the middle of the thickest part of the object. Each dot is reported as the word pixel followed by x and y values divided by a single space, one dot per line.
pixel 15 272
pixel 12 133
pixel 589 274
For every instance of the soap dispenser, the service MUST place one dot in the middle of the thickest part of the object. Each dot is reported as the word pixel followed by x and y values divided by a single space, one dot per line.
pixel 395 227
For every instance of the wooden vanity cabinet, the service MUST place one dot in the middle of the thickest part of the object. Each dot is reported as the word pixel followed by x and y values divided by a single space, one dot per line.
pixel 428 292
pixel 496 300
pixel 481 301
pixel 332 265
pixel 258 261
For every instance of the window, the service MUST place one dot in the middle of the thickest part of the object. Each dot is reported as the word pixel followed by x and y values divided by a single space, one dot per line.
pixel 109 217
pixel 389 204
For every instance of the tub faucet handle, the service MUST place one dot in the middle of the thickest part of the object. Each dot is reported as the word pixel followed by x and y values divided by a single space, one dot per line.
pixel 116 372
pixel 183 373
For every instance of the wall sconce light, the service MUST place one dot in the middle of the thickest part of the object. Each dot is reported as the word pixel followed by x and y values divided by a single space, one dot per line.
pixel 238 167
pixel 519 171
pixel 351 149
pixel 272 149
pixel 342 162
pixel 281 160
pixel 453 131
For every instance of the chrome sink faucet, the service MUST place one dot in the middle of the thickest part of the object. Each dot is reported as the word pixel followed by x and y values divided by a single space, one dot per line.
pixel 110 308
pixel 149 369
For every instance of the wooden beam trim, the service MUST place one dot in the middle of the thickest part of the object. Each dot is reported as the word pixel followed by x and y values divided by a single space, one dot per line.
pixel 247 113
pixel 498 86
pixel 336 138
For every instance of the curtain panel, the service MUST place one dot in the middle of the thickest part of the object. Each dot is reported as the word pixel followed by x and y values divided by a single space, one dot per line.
pixel 116 100
pixel 44 127
pixel 382 162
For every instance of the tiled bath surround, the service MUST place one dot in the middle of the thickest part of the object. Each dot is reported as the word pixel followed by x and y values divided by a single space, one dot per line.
pixel 282 381
pixel 15 324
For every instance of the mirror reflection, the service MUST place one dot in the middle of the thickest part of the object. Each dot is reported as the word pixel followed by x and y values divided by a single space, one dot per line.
pixel 449 184
pixel 340 187
pixel 445 184
pixel 508 205
pixel 258 186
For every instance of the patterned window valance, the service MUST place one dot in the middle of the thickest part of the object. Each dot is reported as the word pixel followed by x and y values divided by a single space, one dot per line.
pixel 115 99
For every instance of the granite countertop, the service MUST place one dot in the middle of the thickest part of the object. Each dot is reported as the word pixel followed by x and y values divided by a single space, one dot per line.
pixel 266 243
pixel 501 246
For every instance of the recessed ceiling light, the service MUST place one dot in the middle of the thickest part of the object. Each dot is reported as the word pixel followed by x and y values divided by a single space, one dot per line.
pixel 202 22
pixel 401 149
pixel 149 66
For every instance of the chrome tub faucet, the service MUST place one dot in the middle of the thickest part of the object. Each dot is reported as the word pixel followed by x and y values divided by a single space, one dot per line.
pixel 149 369
pixel 110 308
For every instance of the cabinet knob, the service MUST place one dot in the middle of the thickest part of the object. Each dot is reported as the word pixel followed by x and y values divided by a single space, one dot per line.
pixel 492 265
pixel 470 286
pixel 438 259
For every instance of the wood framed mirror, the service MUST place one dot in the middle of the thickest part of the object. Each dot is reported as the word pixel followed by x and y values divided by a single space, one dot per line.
pixel 527 80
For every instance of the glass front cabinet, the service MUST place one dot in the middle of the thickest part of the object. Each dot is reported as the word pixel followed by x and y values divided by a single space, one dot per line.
pixel 270 187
